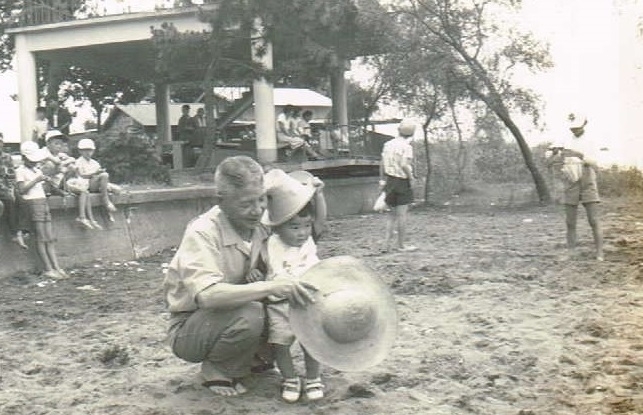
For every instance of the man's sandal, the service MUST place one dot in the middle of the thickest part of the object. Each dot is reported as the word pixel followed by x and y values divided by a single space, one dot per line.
pixel 314 389
pixel 225 387
pixel 291 390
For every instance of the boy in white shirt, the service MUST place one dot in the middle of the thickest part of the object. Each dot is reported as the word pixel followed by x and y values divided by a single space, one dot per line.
pixel 30 180
pixel 90 169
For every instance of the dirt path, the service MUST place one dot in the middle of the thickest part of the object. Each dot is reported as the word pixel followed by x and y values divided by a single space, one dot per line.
pixel 492 321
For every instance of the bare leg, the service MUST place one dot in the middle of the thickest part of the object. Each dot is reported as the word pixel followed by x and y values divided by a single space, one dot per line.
pixel 41 246
pixel 570 221
pixel 82 204
pixel 50 246
pixel 391 222
pixel 593 217
pixel 401 212
pixel 284 361
pixel 312 366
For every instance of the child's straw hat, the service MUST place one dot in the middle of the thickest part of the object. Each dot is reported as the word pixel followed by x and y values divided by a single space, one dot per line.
pixel 353 322
pixel 286 197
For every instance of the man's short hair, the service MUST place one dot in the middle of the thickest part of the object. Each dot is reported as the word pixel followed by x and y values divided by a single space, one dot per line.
pixel 236 173
pixel 41 109
pixel 185 107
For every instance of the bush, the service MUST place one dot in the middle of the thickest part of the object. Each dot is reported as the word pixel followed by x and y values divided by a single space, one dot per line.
pixel 131 158
pixel 620 182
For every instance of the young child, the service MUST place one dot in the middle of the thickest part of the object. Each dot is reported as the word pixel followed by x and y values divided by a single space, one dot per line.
pixel 90 169
pixel 290 252
pixel 30 180
pixel 56 163
pixel 80 187
pixel 41 126
pixel 8 195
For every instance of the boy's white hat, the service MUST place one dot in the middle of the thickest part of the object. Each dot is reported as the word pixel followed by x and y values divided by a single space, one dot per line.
pixel 352 324
pixel 32 152
pixel 406 128
pixel 286 197
pixel 576 120
pixel 54 134
pixel 86 144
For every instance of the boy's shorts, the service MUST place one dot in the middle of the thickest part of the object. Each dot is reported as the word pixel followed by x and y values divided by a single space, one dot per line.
pixel 279 331
pixel 582 191
pixel 39 210
pixel 398 191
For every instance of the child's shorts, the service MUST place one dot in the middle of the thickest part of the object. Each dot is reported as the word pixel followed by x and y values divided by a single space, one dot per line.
pixel 584 190
pixel 398 191
pixel 279 331
pixel 39 210
pixel 77 185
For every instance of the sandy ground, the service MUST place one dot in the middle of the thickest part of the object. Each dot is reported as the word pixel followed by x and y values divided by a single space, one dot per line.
pixel 493 320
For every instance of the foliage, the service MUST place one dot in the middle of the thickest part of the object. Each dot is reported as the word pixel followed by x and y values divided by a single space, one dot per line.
pixel 620 181
pixel 130 158
pixel 457 51
pixel 309 38
pixel 100 89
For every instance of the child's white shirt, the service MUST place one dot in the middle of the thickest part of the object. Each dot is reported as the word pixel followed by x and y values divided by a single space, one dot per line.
pixel 87 167
pixel 291 262
pixel 26 175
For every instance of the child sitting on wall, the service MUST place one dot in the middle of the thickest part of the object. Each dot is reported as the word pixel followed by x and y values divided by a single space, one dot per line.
pixel 98 178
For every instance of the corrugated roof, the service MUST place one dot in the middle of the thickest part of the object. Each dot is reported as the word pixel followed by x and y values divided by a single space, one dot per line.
pixel 301 97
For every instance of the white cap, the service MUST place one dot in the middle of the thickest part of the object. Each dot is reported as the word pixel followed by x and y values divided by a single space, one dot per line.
pixel 53 134
pixel 86 144
pixel 32 152
pixel 406 128
pixel 576 120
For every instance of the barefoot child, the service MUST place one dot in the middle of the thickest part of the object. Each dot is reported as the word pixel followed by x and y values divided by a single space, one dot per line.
pixel 30 180
pixel 88 168
pixel 291 251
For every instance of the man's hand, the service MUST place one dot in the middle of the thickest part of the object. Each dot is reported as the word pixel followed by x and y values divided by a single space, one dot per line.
pixel 297 293
pixel 255 275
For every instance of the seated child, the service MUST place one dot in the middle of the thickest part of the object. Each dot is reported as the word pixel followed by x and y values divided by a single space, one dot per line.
pixel 30 180
pixel 88 168
pixel 290 252
pixel 80 187
pixel 56 164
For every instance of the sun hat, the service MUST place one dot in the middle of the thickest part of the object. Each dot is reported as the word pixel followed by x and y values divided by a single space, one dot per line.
pixel 32 152
pixel 86 144
pixel 576 120
pixel 352 324
pixel 54 134
pixel 302 176
pixel 406 128
pixel 286 197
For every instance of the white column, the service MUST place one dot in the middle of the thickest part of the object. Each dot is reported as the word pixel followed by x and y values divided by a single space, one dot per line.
pixel 27 87
pixel 265 127
pixel 339 96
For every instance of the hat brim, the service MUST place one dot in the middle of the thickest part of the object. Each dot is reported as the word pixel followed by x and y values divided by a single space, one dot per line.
pixel 330 276
pixel 302 176
pixel 36 156
pixel 303 198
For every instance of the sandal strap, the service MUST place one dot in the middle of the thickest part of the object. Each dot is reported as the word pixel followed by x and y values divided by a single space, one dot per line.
pixel 314 384
pixel 293 385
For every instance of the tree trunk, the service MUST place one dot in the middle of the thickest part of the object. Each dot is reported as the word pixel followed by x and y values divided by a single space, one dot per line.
pixel 99 118
pixel 427 180
pixel 541 185
pixel 461 156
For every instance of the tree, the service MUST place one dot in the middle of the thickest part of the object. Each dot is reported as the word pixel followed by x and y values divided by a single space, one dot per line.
pixel 310 39
pixel 482 55
pixel 100 89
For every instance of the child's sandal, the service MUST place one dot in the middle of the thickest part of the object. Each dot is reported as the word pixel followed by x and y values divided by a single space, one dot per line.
pixel 291 390
pixel 314 389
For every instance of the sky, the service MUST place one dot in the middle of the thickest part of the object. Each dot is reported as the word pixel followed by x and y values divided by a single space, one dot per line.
pixel 595 73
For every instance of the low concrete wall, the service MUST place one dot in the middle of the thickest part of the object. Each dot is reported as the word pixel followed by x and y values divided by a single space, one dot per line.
pixel 149 221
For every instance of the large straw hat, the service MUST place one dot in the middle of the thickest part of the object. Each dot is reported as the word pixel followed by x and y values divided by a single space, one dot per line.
pixel 302 176
pixel 353 322
pixel 32 152
pixel 286 197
